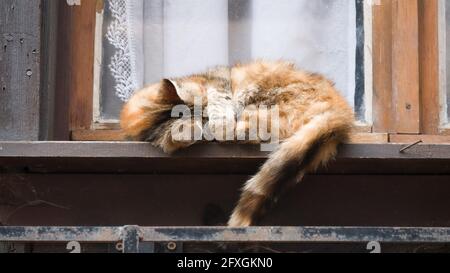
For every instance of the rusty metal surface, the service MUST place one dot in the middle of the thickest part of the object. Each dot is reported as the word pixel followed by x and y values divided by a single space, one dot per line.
pixel 130 234
pixel 297 234
pixel 60 234
pixel 130 239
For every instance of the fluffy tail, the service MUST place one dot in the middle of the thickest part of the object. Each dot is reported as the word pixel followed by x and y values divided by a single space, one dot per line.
pixel 312 146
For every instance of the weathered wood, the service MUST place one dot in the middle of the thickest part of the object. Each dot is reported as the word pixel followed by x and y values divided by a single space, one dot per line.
pixel 212 151
pixel 383 110
pixel 195 200
pixel 405 66
pixel 362 128
pixel 369 138
pixel 48 68
pixel 429 66
pixel 74 93
pixel 97 135
pixel 117 135
pixel 127 157
pixel 20 54
pixel 82 65
pixel 441 139
pixel 63 76
pixel 445 131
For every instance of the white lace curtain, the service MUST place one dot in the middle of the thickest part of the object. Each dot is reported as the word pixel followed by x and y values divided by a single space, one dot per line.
pixel 165 38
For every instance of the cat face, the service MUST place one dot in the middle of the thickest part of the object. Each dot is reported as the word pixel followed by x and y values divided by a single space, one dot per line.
pixel 188 90
pixel 148 108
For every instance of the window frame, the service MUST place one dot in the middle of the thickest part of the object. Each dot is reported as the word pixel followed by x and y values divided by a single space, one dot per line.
pixel 404 40
pixel 444 122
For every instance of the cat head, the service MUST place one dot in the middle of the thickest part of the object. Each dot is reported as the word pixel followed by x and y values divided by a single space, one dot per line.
pixel 168 93
pixel 152 106
pixel 183 91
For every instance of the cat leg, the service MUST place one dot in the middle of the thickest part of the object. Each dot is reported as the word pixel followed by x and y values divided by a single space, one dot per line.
pixel 178 134
pixel 221 115
pixel 247 126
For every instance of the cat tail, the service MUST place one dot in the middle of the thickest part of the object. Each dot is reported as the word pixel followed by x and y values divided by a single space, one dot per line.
pixel 313 145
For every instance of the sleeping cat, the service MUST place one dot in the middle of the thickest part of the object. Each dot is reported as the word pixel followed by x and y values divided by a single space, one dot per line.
pixel 313 118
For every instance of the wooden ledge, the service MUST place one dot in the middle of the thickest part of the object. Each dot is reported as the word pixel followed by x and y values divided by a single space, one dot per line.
pixel 359 136
pixel 214 158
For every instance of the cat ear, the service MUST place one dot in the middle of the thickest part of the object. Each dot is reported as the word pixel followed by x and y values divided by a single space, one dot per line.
pixel 169 92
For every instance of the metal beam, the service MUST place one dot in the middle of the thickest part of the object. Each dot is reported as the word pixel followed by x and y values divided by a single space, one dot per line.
pixel 60 234
pixel 130 234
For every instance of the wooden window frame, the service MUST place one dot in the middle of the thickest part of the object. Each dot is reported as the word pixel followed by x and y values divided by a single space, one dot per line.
pixel 405 54
pixel 441 26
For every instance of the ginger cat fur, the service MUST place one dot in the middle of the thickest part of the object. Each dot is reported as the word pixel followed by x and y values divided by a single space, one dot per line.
pixel 313 119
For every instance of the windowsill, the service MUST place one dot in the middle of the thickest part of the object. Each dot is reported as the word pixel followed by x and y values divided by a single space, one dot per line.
pixel 362 137
pixel 110 131
pixel 214 158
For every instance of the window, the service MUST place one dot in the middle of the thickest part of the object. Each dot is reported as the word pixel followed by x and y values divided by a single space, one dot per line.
pixel 384 55
pixel 141 41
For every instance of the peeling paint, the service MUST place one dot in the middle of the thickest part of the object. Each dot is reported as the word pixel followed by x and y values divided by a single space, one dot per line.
pixel 131 238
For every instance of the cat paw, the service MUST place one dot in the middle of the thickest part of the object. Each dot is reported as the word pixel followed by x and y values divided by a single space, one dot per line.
pixel 186 132
pixel 222 128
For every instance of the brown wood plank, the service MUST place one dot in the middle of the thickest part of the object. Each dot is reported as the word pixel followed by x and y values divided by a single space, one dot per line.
pixel 147 200
pixel 97 135
pixel 383 110
pixel 444 131
pixel 82 65
pixel 213 158
pixel 72 149
pixel 117 135
pixel 437 139
pixel 106 126
pixel 429 66
pixel 74 93
pixel 362 129
pixel 405 66
pixel 369 138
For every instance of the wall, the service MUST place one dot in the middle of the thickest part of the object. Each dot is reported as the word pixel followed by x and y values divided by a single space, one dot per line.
pixel 20 41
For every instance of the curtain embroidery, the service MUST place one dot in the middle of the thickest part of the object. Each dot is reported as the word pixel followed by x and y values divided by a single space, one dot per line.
pixel 121 65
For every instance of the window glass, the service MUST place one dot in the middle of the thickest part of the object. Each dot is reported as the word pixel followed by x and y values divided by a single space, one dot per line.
pixel 145 40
